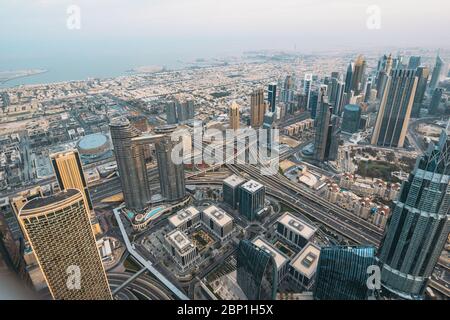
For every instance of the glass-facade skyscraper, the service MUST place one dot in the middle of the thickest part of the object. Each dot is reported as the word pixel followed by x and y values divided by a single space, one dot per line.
pixel 351 118
pixel 438 70
pixel 131 164
pixel 256 272
pixel 395 109
pixel 272 96
pixel 342 273
pixel 325 142
pixel 419 225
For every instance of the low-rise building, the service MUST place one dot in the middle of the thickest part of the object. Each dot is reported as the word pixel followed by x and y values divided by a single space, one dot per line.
pixel 294 230
pixel 303 267
pixel 218 222
pixel 281 261
pixel 181 249
pixel 185 219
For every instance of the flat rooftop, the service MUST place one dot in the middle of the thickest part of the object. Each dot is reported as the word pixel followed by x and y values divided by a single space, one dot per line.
pixel 219 216
pixel 179 240
pixel 252 186
pixel 306 260
pixel 183 215
pixel 297 225
pixel 234 181
pixel 280 259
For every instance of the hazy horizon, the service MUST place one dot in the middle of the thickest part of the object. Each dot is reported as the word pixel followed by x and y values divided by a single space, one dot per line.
pixel 115 35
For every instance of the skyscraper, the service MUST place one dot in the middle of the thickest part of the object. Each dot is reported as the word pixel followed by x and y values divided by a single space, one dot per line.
pixel 435 101
pixel 414 62
pixel 69 174
pixel 272 96
pixel 313 100
pixel 131 164
pixel 326 137
pixel 342 273
pixel 257 273
pixel 307 89
pixel 257 108
pixel 171 112
pixel 351 118
pixel 395 109
pixel 234 116
pixel 358 75
pixel 60 234
pixel 419 225
pixel 383 76
pixel 179 110
pixel 171 175
pixel 349 79
pixel 438 71
pixel 422 74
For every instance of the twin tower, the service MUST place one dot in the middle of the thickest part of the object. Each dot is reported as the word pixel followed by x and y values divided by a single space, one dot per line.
pixel 130 147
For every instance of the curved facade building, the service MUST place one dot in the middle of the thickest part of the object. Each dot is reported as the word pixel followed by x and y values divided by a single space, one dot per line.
pixel 351 118
pixel 59 231
pixel 171 175
pixel 130 160
pixel 256 272
pixel 342 272
pixel 419 225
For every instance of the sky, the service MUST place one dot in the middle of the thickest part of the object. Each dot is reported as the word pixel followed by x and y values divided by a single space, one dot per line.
pixel 37 29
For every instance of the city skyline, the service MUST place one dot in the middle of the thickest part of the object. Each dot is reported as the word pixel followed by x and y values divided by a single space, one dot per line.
pixel 206 150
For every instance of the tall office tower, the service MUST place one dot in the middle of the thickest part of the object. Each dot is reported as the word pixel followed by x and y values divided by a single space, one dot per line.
pixel 398 63
pixel 326 130
pixel 257 108
pixel 171 175
pixel 191 109
pixel 131 164
pixel 230 190
pixel 182 111
pixel 60 234
pixel 349 79
pixel 381 65
pixel 272 96
pixel 171 112
pixel 307 82
pixel 368 90
pixel 359 71
pixel 69 174
pixel 395 109
pixel 435 101
pixel 438 71
pixel 234 116
pixel 257 273
pixel 414 62
pixel 351 118
pixel 313 101
pixel 422 74
pixel 383 76
pixel 251 199
pixel 339 97
pixel 342 273
pixel 287 95
pixel 419 225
